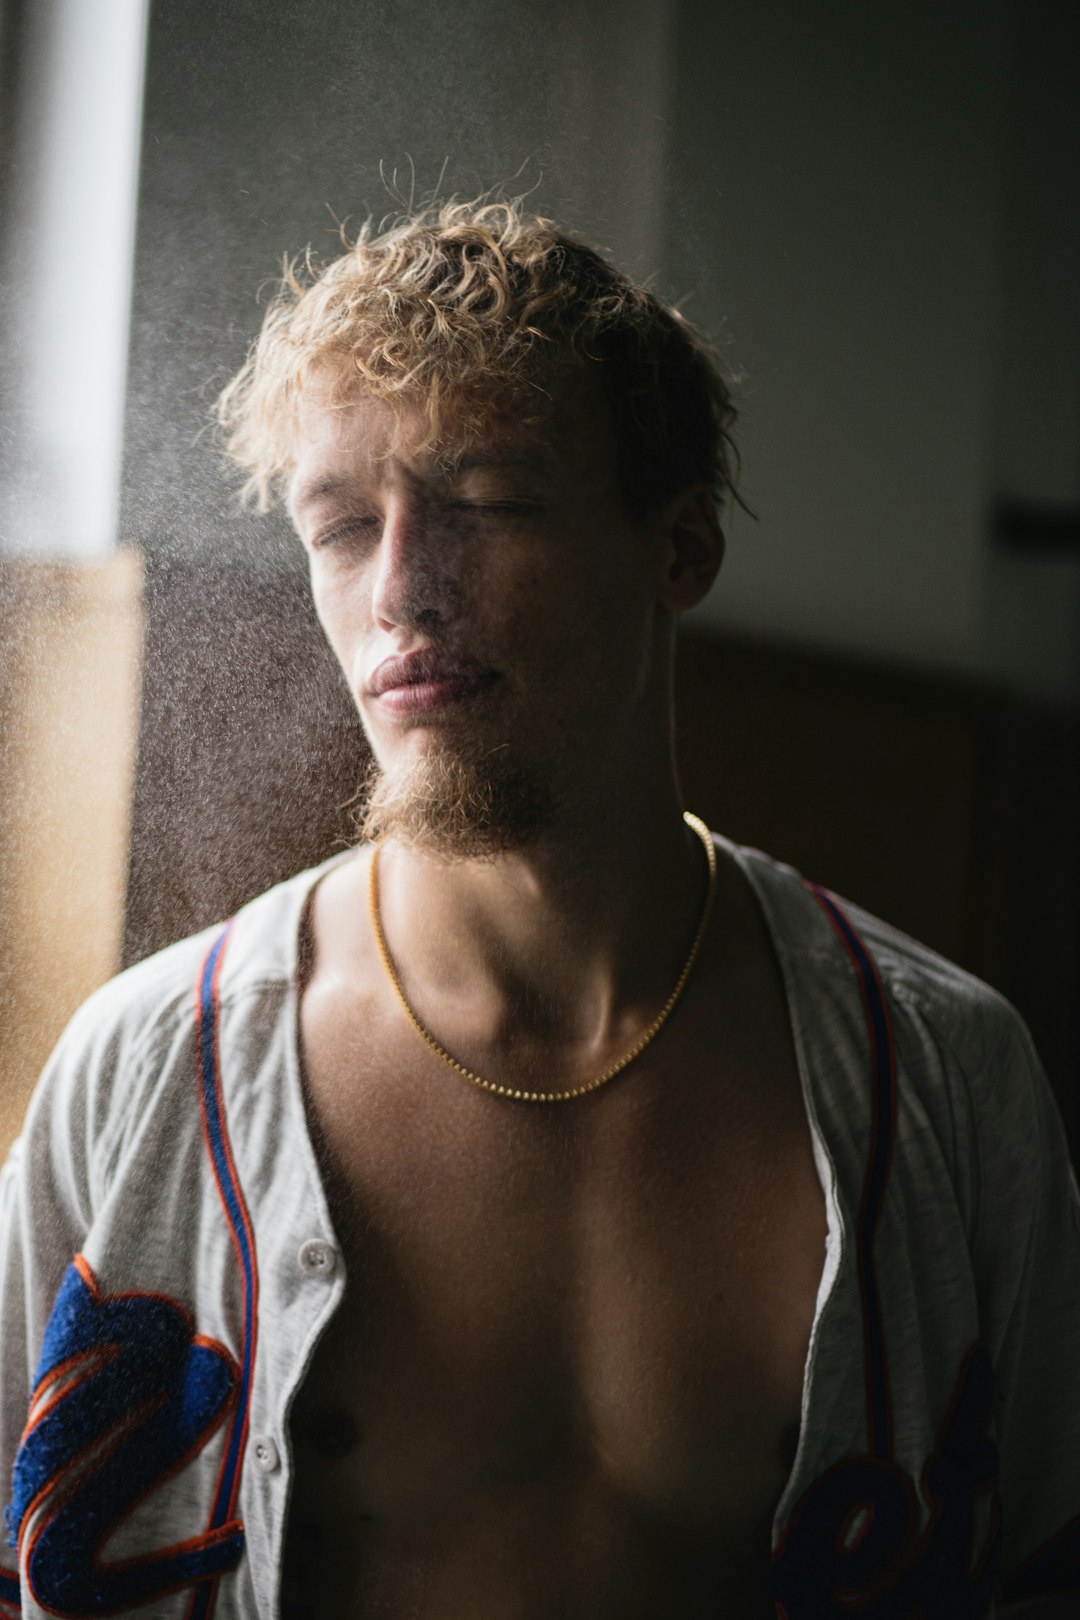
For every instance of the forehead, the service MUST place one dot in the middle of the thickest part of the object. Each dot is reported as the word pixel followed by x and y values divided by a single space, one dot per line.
pixel 558 433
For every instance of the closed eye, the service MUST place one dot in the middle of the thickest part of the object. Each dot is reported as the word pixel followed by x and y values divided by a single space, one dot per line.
pixel 343 531
pixel 358 527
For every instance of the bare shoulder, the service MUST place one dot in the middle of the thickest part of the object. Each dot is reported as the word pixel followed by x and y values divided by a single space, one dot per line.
pixel 334 937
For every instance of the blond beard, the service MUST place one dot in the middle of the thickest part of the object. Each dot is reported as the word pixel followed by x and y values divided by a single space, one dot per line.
pixel 457 806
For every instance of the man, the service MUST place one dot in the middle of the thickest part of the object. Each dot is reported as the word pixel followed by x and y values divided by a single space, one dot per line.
pixel 545 1208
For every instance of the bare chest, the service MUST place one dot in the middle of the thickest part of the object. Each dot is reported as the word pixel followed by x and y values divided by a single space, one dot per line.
pixel 573 1336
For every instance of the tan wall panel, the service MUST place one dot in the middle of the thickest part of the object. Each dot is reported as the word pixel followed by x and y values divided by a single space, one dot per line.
pixel 71 635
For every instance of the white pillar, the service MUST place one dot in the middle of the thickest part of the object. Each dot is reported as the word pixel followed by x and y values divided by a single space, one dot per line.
pixel 66 250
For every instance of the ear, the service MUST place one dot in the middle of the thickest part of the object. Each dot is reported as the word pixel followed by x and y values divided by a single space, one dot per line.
pixel 693 548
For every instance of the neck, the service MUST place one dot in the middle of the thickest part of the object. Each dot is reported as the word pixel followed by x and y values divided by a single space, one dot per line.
pixel 568 944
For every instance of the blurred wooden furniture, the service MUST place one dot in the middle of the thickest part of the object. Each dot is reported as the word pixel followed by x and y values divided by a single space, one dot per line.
pixel 70 651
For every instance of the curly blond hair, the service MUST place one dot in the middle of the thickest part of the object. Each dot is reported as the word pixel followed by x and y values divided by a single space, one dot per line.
pixel 464 307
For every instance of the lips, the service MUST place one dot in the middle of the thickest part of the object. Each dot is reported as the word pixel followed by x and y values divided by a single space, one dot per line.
pixel 426 667
pixel 426 679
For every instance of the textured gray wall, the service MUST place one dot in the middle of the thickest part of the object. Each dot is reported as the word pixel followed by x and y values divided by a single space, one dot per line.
pixel 266 120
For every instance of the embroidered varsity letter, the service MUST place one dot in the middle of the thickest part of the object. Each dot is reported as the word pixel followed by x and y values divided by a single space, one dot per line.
pixel 126 1393
pixel 853 1546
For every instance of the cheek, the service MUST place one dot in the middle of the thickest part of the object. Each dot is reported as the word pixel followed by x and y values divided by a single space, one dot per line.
pixel 338 609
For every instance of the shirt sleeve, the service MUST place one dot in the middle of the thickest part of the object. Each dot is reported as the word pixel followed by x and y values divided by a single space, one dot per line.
pixel 1027 1264
pixel 45 1212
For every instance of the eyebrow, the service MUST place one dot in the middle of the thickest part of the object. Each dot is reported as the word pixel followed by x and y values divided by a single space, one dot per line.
pixel 309 493
pixel 529 462
pixel 333 484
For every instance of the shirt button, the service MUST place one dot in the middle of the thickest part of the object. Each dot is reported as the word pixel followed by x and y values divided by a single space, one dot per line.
pixel 317 1258
pixel 266 1454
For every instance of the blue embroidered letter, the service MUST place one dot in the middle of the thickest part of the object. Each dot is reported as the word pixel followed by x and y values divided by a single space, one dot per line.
pixel 125 1394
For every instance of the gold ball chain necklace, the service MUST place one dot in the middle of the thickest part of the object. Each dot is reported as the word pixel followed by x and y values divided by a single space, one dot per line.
pixel 609 1074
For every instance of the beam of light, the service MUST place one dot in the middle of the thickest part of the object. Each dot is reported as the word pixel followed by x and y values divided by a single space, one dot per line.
pixel 66 257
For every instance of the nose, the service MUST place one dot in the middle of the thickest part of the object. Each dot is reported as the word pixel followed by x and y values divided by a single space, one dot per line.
pixel 416 579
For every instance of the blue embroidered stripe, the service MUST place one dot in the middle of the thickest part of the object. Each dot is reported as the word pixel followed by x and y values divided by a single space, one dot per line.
pixel 882 1130
pixel 232 1199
